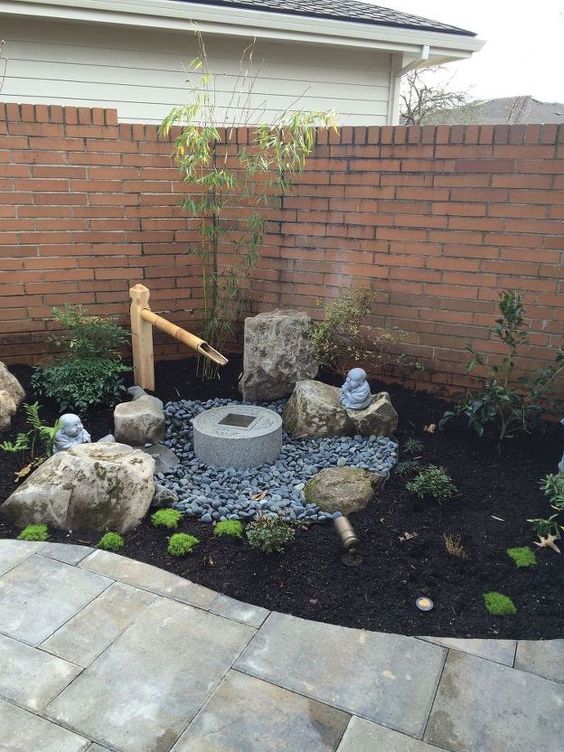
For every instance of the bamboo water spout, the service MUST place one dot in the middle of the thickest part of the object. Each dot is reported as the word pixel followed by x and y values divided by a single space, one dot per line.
pixel 142 322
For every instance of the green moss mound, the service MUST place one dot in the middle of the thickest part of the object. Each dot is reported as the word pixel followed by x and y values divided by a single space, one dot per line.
pixel 499 604
pixel 111 542
pixel 166 518
pixel 523 557
pixel 231 528
pixel 181 544
pixel 34 533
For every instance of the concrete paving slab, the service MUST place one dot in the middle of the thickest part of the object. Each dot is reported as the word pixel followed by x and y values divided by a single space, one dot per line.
pixel 386 678
pixel 500 651
pixel 40 594
pixel 485 706
pixel 67 552
pixel 148 685
pixel 90 632
pixel 29 677
pixel 22 731
pixel 14 551
pixel 542 657
pixel 243 612
pixel 365 736
pixel 246 714
pixel 98 748
pixel 149 578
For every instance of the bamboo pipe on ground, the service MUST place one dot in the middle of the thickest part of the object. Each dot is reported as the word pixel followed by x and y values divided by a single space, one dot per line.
pixel 182 335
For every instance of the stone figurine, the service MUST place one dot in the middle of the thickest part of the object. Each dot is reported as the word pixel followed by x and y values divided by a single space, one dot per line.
pixel 355 392
pixel 70 434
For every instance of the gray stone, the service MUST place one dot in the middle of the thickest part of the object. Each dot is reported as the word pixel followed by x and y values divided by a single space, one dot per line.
pixel 165 459
pixel 41 594
pixel 165 676
pixel 222 440
pixel 246 714
pixel 11 396
pixel 387 678
pixel 30 677
pixel 277 354
pixel 342 489
pixel 485 706
pixel 21 731
pixel 542 657
pixel 163 496
pixel 140 421
pixel 66 552
pixel 93 486
pixel 364 736
pixel 243 612
pixel 500 651
pixel 314 410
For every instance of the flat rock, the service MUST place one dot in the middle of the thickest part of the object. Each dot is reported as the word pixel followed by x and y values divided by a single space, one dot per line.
pixel 342 489
pixel 277 354
pixel 165 459
pixel 11 395
pixel 91 486
pixel 314 410
pixel 139 422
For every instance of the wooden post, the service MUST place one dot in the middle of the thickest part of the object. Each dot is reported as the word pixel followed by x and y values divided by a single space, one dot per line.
pixel 141 339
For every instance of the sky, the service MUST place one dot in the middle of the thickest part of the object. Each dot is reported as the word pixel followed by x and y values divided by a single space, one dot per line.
pixel 524 50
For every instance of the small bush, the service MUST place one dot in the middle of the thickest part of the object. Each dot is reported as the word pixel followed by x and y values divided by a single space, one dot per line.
pixel 34 533
pixel 181 544
pixel 269 534
pixel 433 481
pixel 86 336
pixel 453 545
pixel 231 528
pixel 412 447
pixel 407 467
pixel 523 557
pixel 111 542
pixel 499 604
pixel 166 518
pixel 552 486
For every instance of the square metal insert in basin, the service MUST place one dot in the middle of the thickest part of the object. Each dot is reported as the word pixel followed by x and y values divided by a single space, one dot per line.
pixel 237 420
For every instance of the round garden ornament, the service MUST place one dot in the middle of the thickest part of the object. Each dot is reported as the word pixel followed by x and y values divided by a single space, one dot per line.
pixel 424 604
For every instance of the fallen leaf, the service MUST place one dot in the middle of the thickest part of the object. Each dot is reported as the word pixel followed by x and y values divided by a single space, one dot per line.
pixel 259 496
pixel 431 428
pixel 24 471
pixel 408 536
pixel 548 542
pixel 499 519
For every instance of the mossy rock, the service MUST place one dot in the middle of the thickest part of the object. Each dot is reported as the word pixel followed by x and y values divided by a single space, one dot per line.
pixel 342 489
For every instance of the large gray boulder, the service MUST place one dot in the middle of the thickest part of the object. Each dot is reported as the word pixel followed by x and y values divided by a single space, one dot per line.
pixel 141 421
pixel 101 486
pixel 342 489
pixel 11 395
pixel 315 410
pixel 277 354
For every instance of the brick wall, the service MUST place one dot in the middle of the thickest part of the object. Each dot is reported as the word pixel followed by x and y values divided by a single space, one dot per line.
pixel 440 219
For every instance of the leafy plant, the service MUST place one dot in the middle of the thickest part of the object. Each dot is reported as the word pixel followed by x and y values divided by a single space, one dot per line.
pixel 86 336
pixel 499 604
pixel 412 446
pixel 500 400
pixel 166 518
pixel 453 545
pixel 548 526
pixel 269 534
pixel 553 486
pixel 433 481
pixel 407 467
pixel 34 533
pixel 234 185
pixel 523 556
pixel 111 542
pixel 37 441
pixel 231 528
pixel 181 544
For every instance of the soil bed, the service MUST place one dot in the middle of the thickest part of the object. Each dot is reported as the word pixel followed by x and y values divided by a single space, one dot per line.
pixel 498 488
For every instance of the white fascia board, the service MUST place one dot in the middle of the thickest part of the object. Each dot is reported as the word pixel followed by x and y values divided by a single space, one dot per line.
pixel 181 16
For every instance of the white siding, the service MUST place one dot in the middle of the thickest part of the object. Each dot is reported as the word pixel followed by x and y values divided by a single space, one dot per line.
pixel 143 73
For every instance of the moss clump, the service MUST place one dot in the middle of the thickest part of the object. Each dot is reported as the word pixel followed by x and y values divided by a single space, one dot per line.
pixel 231 528
pixel 166 518
pixel 499 604
pixel 181 544
pixel 34 533
pixel 111 542
pixel 523 557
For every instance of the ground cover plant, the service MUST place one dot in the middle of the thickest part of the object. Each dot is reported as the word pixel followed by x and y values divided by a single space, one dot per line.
pixel 269 534
pixel 499 604
pixel 433 481
pixel 181 544
pixel 523 556
pixel 111 542
pixel 34 533
pixel 231 528
pixel 168 518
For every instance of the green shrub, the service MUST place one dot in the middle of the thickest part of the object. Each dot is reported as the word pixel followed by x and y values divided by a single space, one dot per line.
pixel 523 557
pixel 86 336
pixel 552 486
pixel 111 542
pixel 231 528
pixel 432 481
pixel 546 526
pixel 499 604
pixel 269 534
pixel 181 544
pixel 34 533
pixel 166 518
pixel 407 467
pixel 412 446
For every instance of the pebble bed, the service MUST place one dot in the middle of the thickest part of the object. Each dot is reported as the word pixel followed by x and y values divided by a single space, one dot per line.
pixel 212 494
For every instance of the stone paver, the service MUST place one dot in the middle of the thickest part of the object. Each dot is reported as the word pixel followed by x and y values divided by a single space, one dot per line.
pixel 40 594
pixel 365 736
pixel 246 714
pixel 386 678
pixel 482 706
pixel 90 632
pixel 98 748
pixel 22 731
pixel 243 612
pixel 542 657
pixel 149 578
pixel 500 651
pixel 145 688
pixel 30 677
pixel 66 552
pixel 14 551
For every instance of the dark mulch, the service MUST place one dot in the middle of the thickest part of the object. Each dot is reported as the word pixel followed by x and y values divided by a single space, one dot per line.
pixel 310 581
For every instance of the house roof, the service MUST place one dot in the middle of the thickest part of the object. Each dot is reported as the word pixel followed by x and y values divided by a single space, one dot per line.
pixel 505 110
pixel 340 10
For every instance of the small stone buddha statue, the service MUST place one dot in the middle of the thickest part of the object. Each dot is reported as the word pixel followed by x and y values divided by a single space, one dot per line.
pixel 70 434
pixel 355 392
